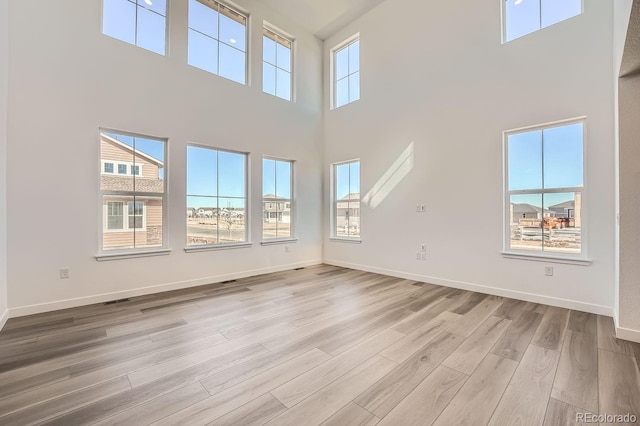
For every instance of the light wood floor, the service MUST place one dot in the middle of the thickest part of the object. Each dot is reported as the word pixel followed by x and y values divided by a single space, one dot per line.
pixel 321 345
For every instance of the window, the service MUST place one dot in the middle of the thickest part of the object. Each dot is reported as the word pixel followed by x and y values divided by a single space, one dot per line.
pixel 277 189
pixel 217 196
pixel 140 22
pixel 346 72
pixel 346 199
pixel 544 188
pixel 217 39
pixel 133 204
pixel 522 17
pixel 276 64
pixel 108 168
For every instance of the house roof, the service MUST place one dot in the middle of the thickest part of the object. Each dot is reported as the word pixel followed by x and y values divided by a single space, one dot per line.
pixel 351 196
pixel 526 208
pixel 274 197
pixel 133 151
pixel 122 183
pixel 566 205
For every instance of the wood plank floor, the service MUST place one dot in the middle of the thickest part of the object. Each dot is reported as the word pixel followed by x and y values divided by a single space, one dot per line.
pixel 316 346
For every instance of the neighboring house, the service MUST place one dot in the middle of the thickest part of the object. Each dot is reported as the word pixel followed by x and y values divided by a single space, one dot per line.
pixel 570 210
pixel 124 170
pixel 348 211
pixel 528 211
pixel 191 212
pixel 276 209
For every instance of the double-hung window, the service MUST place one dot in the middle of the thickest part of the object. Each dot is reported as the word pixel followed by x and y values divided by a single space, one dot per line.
pixel 276 64
pixel 522 17
pixel 346 200
pixel 142 23
pixel 217 39
pixel 345 59
pixel 216 197
pixel 277 193
pixel 544 187
pixel 133 202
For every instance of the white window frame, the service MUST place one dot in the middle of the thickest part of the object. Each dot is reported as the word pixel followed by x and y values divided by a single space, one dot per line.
pixel 332 72
pixel 570 258
pixel 503 15
pixel 217 5
pixel 247 203
pixel 334 203
pixel 125 216
pixel 115 254
pixel 292 204
pixel 280 35
pixel 135 43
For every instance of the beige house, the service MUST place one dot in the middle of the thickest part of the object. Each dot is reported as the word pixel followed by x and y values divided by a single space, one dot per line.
pixel 130 221
pixel 276 209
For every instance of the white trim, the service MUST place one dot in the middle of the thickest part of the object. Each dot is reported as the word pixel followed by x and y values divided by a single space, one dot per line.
pixel 277 241
pixel 213 247
pixel 130 254
pixel 529 297
pixel 100 298
pixel 352 240
pixel 546 258
pixel 332 69
pixel 4 318
pixel 627 334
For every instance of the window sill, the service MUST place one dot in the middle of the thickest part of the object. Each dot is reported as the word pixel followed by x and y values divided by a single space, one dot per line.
pixel 131 254
pixel 547 258
pixel 217 247
pixel 279 241
pixel 346 240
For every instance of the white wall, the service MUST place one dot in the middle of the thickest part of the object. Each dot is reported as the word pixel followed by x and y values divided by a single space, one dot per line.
pixel 436 74
pixel 67 80
pixel 4 63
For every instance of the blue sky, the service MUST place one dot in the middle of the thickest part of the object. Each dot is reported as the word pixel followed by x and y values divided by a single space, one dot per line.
pixel 527 16
pixel 562 151
pixel 150 147
pixel 276 178
pixel 347 179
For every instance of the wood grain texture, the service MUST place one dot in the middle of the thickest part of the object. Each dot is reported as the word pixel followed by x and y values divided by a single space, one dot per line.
pixel 583 322
pixel 525 400
pixel 352 415
pixel 562 414
pixel 619 383
pixel 607 339
pixel 517 337
pixel 551 331
pixel 576 380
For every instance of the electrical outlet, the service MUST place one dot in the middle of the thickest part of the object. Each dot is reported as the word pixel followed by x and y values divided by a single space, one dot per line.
pixel 64 273
pixel 423 208
pixel 418 208
pixel 423 247
pixel 423 256
pixel 418 255
pixel 548 271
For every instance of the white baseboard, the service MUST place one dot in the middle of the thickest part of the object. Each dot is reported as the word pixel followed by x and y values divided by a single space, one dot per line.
pixel 626 333
pixel 528 297
pixel 4 318
pixel 100 298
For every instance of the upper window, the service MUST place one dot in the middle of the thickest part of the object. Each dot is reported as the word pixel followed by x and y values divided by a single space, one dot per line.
pixel 277 185
pixel 276 64
pixel 346 72
pixel 217 39
pixel 139 22
pixel 544 187
pixel 216 196
pixel 133 203
pixel 346 199
pixel 522 17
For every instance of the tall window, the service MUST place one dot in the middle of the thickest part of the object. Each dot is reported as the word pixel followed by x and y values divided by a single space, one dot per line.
pixel 276 64
pixel 277 211
pixel 522 17
pixel 134 201
pixel 140 22
pixel 216 196
pixel 346 72
pixel 217 39
pixel 544 187
pixel 346 199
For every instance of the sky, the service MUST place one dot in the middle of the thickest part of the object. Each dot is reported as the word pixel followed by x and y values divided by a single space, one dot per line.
pixel 347 179
pixel 526 16
pixel 152 148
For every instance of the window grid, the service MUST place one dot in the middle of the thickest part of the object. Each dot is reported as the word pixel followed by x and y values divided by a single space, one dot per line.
pixel 352 93
pixel 278 213
pixel 287 44
pixel 116 27
pixel 346 209
pixel 535 15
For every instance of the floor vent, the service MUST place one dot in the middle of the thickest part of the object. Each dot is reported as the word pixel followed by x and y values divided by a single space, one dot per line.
pixel 229 281
pixel 298 269
pixel 113 302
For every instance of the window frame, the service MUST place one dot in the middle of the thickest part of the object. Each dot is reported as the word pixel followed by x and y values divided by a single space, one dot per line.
pixel 291 203
pixel 332 71
pixel 135 43
pixel 216 5
pixel 247 213
pixel 503 19
pixel 279 34
pixel 333 235
pixel 558 257
pixel 124 253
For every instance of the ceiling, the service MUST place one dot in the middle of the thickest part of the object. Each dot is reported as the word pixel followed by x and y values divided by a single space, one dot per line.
pixel 322 17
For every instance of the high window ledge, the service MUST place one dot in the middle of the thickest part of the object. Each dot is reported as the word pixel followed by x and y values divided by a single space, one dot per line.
pixel 581 261
pixel 215 247
pixel 278 241
pixel 346 240
pixel 131 254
